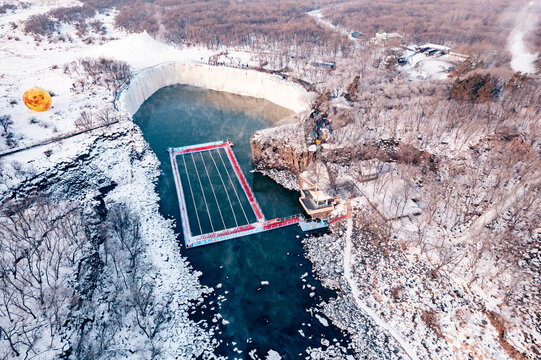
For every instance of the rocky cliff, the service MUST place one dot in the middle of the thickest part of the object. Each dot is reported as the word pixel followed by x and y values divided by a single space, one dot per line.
pixel 281 153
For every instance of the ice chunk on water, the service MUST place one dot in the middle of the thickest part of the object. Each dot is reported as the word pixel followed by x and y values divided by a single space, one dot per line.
pixel 322 320
pixel 273 355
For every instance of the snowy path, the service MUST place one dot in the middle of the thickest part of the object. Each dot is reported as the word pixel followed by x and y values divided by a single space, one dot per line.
pixel 356 294
pixel 318 17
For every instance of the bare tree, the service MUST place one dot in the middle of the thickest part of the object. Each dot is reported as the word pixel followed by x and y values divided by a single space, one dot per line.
pixel 41 243
pixel 5 123
pixel 85 121
pixel 112 74
pixel 128 287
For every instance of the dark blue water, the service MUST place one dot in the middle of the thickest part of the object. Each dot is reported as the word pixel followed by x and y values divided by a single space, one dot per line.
pixel 259 317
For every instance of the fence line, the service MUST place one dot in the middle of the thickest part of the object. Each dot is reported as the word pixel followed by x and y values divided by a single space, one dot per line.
pixel 53 139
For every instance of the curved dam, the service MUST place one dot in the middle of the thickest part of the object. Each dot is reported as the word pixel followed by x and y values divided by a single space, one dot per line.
pixel 220 78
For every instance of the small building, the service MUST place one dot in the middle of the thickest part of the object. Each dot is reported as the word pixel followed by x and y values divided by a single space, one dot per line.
pixel 434 50
pixel 318 204
pixel 442 48
pixel 327 65
pixel 357 34
pixel 402 61
pixel 382 36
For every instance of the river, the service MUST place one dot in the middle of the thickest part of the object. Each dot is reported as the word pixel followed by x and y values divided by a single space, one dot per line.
pixel 253 318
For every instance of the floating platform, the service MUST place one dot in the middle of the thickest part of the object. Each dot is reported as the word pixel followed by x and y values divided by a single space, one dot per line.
pixel 216 203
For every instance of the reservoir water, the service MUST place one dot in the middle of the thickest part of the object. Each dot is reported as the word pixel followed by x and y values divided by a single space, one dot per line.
pixel 254 317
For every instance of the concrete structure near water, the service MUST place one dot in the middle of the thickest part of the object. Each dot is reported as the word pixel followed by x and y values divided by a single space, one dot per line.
pixel 318 204
pixel 211 223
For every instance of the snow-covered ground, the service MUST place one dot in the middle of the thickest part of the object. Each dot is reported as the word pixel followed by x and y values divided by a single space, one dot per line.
pixel 388 295
pixel 356 293
pixel 75 169
pixel 422 67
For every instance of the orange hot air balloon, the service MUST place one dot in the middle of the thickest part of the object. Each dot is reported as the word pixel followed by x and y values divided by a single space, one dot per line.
pixel 37 99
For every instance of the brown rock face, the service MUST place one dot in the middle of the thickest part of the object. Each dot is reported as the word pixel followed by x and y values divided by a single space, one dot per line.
pixel 281 154
pixel 275 154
